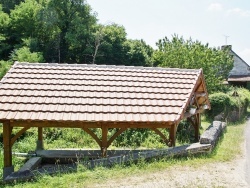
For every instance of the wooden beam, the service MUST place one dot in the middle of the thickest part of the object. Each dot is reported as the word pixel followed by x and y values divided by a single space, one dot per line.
pixel 164 138
pixel 39 144
pixel 7 129
pixel 58 124
pixel 195 122
pixel 78 124
pixel 104 143
pixel 197 127
pixel 172 136
pixel 120 131
pixel 93 136
pixel 18 135
pixel 40 133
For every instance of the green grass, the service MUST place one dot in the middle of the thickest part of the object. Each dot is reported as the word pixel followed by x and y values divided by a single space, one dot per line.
pixel 227 149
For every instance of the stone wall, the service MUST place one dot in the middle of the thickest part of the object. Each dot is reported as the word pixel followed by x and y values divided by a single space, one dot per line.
pixel 212 133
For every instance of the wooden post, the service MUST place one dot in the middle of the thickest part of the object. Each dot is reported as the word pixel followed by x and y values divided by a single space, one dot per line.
pixel 172 136
pixel 197 127
pixel 39 144
pixel 8 168
pixel 104 143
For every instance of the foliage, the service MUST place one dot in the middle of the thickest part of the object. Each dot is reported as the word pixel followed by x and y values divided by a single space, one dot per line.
pixel 73 23
pixel 4 67
pixel 25 55
pixel 65 31
pixel 24 23
pixel 180 53
pixel 131 137
pixel 113 50
pixel 9 5
pixel 235 99
pixel 220 102
pixel 4 27
pixel 139 54
pixel 185 132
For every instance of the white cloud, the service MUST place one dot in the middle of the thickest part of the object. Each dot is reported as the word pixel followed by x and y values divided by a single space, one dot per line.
pixel 215 7
pixel 245 55
pixel 239 12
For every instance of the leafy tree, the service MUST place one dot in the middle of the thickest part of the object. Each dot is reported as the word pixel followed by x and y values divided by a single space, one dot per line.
pixel 9 5
pixel 98 40
pixel 180 53
pixel 139 54
pixel 113 50
pixel 72 24
pixel 25 55
pixel 24 22
pixel 65 31
pixel 4 67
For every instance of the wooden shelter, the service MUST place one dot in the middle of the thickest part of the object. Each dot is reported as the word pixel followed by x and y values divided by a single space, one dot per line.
pixel 98 96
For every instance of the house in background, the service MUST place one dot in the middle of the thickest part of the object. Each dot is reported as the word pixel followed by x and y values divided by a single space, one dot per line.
pixel 240 74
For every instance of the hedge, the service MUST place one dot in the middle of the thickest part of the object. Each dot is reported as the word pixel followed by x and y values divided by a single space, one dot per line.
pixel 236 100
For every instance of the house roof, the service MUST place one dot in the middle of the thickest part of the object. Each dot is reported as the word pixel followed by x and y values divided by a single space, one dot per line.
pixel 238 78
pixel 97 93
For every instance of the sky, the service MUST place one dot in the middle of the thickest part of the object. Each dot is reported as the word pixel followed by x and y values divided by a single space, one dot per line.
pixel 217 22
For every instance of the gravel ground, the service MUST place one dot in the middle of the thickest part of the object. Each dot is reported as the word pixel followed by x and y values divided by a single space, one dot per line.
pixel 228 174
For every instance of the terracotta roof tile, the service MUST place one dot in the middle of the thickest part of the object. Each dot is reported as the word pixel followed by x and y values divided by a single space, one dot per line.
pixel 71 92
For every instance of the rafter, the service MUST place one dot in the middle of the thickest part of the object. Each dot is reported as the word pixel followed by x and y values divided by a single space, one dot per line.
pixel 87 130
pixel 18 135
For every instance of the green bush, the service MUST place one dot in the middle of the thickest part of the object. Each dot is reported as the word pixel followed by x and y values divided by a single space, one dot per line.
pixel 185 132
pixel 236 99
pixel 4 67
pixel 25 55
pixel 131 137
pixel 219 103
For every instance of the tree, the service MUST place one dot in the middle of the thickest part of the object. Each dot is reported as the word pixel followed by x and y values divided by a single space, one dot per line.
pixel 139 54
pixel 4 26
pixel 73 24
pixel 25 55
pixel 24 23
pixel 180 53
pixel 9 5
pixel 113 50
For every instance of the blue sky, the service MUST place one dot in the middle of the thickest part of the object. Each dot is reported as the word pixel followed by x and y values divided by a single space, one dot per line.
pixel 203 20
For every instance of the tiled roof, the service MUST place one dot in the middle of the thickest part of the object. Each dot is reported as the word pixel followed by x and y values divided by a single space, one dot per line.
pixel 74 92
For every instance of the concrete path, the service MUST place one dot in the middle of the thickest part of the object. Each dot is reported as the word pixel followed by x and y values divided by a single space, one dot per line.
pixel 247 167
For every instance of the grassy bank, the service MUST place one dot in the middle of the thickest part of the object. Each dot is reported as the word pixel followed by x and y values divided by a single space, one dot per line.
pixel 228 148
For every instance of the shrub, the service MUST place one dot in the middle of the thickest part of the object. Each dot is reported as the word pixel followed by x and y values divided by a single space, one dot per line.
pixel 25 55
pixel 4 67
pixel 219 103
pixel 236 100
pixel 185 132
pixel 131 137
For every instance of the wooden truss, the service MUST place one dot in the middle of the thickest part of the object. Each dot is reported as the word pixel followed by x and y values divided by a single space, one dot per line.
pixel 104 142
